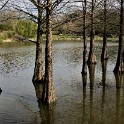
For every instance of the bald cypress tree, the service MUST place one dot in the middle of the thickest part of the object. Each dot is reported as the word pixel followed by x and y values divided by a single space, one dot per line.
pixel 84 67
pixel 38 70
pixel 104 48
pixel 48 93
pixel 92 57
pixel 119 67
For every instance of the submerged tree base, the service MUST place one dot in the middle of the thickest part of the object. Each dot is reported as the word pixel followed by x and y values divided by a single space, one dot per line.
pixel 92 62
pixel 48 93
pixel 38 90
pixel 41 93
pixel 38 81
pixel 104 56
pixel 118 78
pixel 83 73
pixel 84 69
pixel 92 59
pixel 119 68
pixel 118 71
pixel 51 101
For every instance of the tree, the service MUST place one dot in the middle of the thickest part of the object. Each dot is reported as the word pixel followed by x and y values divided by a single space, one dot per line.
pixel 92 57
pixel 47 88
pixel 26 10
pixel 84 68
pixel 119 67
pixel 38 70
pixel 104 51
pixel 48 94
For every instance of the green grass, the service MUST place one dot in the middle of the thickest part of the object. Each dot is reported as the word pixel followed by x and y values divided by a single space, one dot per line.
pixel 6 35
pixel 74 37
pixel 64 37
pixel 113 39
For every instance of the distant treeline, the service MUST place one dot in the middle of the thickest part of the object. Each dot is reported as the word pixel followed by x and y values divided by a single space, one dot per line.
pixel 69 23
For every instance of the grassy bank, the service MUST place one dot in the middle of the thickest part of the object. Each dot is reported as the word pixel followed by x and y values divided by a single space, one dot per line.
pixel 10 37
pixel 6 36
pixel 79 38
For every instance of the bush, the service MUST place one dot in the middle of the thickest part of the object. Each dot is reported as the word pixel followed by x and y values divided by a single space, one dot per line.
pixel 5 27
pixel 10 34
pixel 26 28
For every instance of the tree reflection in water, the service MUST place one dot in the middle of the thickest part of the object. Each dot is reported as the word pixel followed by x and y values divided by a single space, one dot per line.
pixel 103 112
pixel 118 78
pixel 104 67
pixel 91 68
pixel 84 79
pixel 46 111
pixel 0 91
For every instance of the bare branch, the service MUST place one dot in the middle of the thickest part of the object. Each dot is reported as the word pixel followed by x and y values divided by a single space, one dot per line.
pixel 38 5
pixel 24 39
pixel 19 9
pixel 4 5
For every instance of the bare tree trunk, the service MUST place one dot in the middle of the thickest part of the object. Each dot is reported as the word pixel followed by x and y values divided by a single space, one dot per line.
pixel 49 95
pixel 118 79
pixel 84 68
pixel 38 70
pixel 92 57
pixel 104 51
pixel 119 68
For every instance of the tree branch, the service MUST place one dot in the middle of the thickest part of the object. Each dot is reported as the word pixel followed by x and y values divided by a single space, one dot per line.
pixel 24 39
pixel 19 9
pixel 4 4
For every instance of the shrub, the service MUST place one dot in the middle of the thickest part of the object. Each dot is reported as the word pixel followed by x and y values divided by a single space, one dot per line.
pixel 10 34
pixel 26 28
pixel 5 27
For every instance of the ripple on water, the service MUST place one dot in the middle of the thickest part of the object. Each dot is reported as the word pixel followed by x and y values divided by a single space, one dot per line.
pixel 89 104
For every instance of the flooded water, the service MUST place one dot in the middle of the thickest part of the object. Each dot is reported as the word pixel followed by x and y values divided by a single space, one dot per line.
pixel 97 98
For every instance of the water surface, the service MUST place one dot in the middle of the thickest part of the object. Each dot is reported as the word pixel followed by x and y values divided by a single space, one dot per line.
pixel 97 98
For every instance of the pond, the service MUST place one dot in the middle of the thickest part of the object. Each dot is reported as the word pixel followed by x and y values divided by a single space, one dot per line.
pixel 97 98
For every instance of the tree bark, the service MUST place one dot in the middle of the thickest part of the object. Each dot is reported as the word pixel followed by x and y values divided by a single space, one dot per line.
pixel 92 57
pixel 119 68
pixel 38 70
pixel 84 68
pixel 104 49
pixel 118 79
pixel 49 95
pixel 38 90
